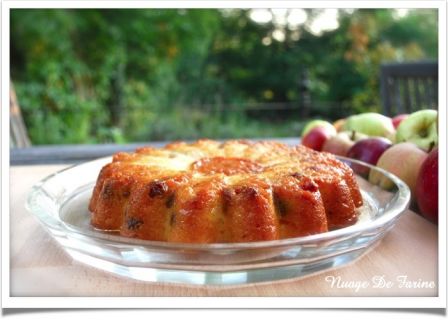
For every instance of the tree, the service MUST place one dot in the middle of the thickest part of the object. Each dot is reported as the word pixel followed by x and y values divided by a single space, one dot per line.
pixel 101 75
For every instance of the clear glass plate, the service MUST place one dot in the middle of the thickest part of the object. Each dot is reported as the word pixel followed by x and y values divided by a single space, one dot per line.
pixel 60 202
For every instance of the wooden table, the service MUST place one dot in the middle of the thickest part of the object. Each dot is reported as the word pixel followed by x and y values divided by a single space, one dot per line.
pixel 40 267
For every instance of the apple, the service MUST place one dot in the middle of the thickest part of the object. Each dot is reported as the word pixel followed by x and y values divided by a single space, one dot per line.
pixel 371 124
pixel 316 138
pixel 339 124
pixel 403 160
pixel 419 128
pixel 368 150
pixel 427 190
pixel 397 119
pixel 318 123
pixel 342 142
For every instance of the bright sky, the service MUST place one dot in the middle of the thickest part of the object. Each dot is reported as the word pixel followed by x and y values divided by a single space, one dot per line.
pixel 292 18
pixel 402 12
pixel 327 20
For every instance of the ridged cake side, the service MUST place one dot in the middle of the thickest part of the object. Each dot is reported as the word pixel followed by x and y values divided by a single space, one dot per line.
pixel 212 192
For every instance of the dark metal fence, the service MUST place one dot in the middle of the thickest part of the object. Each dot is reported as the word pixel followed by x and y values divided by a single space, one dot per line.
pixel 281 111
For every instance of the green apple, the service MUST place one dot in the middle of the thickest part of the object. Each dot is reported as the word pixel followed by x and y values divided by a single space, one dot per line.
pixel 319 123
pixel 371 124
pixel 403 160
pixel 419 128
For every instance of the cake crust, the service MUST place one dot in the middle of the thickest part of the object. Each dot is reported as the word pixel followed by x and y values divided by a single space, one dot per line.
pixel 213 192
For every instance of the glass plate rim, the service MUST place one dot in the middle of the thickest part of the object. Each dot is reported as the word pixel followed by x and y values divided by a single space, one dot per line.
pixel 399 207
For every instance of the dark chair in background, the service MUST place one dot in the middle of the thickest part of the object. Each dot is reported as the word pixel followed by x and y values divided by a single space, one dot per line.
pixel 408 87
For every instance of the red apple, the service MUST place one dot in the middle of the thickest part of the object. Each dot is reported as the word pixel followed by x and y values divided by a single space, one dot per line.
pixel 368 150
pixel 397 119
pixel 342 142
pixel 316 138
pixel 427 190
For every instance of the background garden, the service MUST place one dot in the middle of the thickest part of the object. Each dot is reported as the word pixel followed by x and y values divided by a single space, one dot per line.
pixel 96 76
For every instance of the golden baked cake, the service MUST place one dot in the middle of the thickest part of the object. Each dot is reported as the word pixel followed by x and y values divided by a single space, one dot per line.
pixel 213 192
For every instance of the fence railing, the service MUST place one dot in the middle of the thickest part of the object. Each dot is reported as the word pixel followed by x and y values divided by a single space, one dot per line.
pixel 408 87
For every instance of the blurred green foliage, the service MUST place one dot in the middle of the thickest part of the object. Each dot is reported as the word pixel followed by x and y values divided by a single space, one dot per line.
pixel 95 76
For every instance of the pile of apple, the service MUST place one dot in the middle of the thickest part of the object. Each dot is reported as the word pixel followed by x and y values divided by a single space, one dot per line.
pixel 405 145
